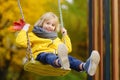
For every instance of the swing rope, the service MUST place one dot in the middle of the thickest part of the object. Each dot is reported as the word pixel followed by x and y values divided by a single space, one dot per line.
pixel 20 8
pixel 29 51
pixel 61 19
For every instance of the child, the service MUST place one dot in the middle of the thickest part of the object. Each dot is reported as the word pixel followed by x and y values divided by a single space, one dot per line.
pixel 48 48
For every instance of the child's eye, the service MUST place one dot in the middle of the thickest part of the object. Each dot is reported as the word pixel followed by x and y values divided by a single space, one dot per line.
pixel 48 23
pixel 53 25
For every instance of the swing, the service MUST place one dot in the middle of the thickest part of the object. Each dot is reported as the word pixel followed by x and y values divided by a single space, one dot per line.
pixel 44 69
pixel 37 67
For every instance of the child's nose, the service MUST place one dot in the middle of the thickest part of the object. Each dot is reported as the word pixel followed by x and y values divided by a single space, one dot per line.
pixel 50 26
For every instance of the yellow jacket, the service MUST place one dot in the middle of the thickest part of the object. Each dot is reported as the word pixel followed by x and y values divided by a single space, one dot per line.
pixel 39 45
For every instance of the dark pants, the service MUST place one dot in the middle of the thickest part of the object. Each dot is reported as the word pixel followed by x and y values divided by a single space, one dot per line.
pixel 49 58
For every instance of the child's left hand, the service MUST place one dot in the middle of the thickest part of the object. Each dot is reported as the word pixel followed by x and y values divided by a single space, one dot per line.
pixel 63 31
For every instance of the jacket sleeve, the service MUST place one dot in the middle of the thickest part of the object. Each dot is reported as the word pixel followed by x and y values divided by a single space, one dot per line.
pixel 67 42
pixel 21 39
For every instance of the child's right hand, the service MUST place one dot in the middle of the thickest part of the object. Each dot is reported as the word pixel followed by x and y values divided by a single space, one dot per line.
pixel 26 27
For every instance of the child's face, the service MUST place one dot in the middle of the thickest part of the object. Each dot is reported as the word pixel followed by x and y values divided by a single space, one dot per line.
pixel 49 25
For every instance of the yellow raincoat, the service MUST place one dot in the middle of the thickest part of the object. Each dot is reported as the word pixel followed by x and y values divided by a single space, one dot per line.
pixel 39 45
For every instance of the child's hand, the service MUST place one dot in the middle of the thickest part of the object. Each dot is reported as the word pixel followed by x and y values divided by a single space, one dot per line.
pixel 26 27
pixel 63 31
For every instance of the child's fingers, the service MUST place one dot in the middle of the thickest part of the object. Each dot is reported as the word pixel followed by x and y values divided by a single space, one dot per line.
pixel 63 31
pixel 26 27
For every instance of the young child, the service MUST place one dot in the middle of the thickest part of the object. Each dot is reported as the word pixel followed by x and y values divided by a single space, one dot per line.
pixel 48 48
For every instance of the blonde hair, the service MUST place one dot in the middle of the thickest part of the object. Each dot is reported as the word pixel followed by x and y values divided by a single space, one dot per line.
pixel 48 16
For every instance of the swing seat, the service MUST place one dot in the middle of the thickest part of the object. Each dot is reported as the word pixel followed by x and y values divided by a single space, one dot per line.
pixel 44 69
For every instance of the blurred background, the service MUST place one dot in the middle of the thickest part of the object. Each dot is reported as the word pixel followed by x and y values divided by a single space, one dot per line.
pixel 75 18
pixel 91 24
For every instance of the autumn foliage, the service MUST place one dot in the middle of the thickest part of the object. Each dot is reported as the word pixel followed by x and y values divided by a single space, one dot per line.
pixel 17 25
